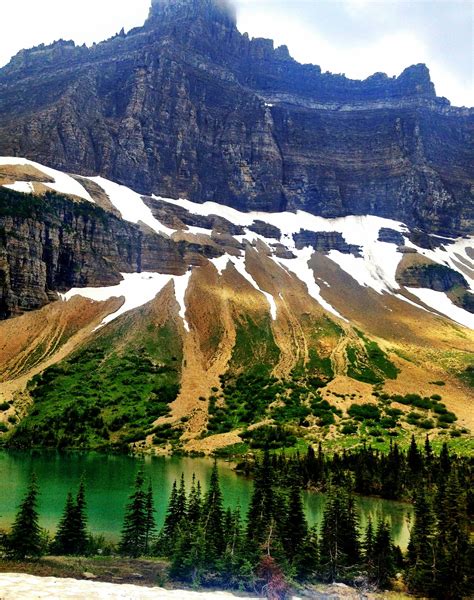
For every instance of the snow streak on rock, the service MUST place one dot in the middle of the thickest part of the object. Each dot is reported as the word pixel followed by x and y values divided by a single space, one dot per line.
pixel 130 205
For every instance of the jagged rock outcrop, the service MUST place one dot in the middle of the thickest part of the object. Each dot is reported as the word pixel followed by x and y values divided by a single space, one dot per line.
pixel 390 236
pixel 187 106
pixel 432 276
pixel 53 244
pixel 324 241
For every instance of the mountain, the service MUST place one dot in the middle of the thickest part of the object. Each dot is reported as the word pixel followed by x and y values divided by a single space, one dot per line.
pixel 188 107
pixel 204 244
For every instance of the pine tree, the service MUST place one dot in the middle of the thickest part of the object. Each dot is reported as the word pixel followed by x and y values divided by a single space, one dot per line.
pixel 307 556
pixel 262 509
pixel 81 520
pixel 150 517
pixel 195 502
pixel 383 556
pixel 422 546
pixel 24 541
pixel 452 556
pixel 368 548
pixel 414 459
pixel 212 519
pixel 134 531
pixel 339 537
pixel 295 529
pixel 65 540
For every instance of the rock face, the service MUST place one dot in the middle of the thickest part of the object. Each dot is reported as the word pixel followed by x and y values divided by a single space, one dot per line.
pixel 187 106
pixel 54 244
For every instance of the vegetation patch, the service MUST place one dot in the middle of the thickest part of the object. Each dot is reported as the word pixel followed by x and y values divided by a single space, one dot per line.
pixel 103 397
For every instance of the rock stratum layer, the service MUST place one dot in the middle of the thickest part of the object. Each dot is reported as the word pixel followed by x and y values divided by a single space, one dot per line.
pixel 187 106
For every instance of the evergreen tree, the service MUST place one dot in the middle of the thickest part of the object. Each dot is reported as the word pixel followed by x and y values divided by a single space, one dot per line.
pixel 339 538
pixel 195 502
pixel 422 546
pixel 262 509
pixel 296 528
pixel 212 518
pixel 414 460
pixel 383 562
pixel 134 531
pixel 368 547
pixel 65 540
pixel 150 517
pixel 81 535
pixel 188 555
pixel 453 569
pixel 307 556
pixel 24 541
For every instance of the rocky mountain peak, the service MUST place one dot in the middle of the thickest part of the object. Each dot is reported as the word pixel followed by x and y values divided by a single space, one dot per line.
pixel 164 11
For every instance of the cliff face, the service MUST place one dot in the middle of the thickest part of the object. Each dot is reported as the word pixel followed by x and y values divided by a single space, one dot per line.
pixel 186 106
pixel 53 244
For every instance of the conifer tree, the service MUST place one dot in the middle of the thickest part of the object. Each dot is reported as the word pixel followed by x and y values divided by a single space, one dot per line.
pixel 24 541
pixel 339 538
pixel 150 517
pixel 383 556
pixel 307 556
pixel 422 546
pixel 195 502
pixel 81 536
pixel 451 579
pixel 212 518
pixel 65 540
pixel 262 509
pixel 134 530
pixel 368 547
pixel 414 459
pixel 295 528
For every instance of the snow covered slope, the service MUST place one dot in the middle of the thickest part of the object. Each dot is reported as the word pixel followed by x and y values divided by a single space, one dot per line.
pixel 355 246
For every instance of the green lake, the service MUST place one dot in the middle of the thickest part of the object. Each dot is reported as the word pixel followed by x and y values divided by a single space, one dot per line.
pixel 109 479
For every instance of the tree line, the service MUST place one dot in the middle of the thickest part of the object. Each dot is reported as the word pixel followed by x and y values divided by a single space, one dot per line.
pixel 273 546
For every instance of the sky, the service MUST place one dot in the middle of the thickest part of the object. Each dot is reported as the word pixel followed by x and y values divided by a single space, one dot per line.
pixel 355 37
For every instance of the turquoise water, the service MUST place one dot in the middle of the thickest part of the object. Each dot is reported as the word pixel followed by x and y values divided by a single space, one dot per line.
pixel 109 479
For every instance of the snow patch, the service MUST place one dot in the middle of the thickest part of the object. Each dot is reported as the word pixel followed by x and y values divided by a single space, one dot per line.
pixel 28 587
pixel 63 183
pixel 20 186
pixel 137 289
pixel 131 205
pixel 440 302
pixel 304 273
pixel 180 288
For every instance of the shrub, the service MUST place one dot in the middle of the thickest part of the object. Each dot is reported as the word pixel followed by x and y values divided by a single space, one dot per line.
pixel 4 406
pixel 426 424
pixel 361 412
pixel 448 417
pixel 349 429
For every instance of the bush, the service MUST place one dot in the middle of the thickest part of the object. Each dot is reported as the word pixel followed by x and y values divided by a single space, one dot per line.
pixel 3 428
pixel 270 436
pixel 426 424
pixel 361 412
pixel 349 429
pixel 4 406
pixel 447 417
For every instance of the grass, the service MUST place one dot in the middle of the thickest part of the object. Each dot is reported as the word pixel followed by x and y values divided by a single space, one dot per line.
pixel 103 396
